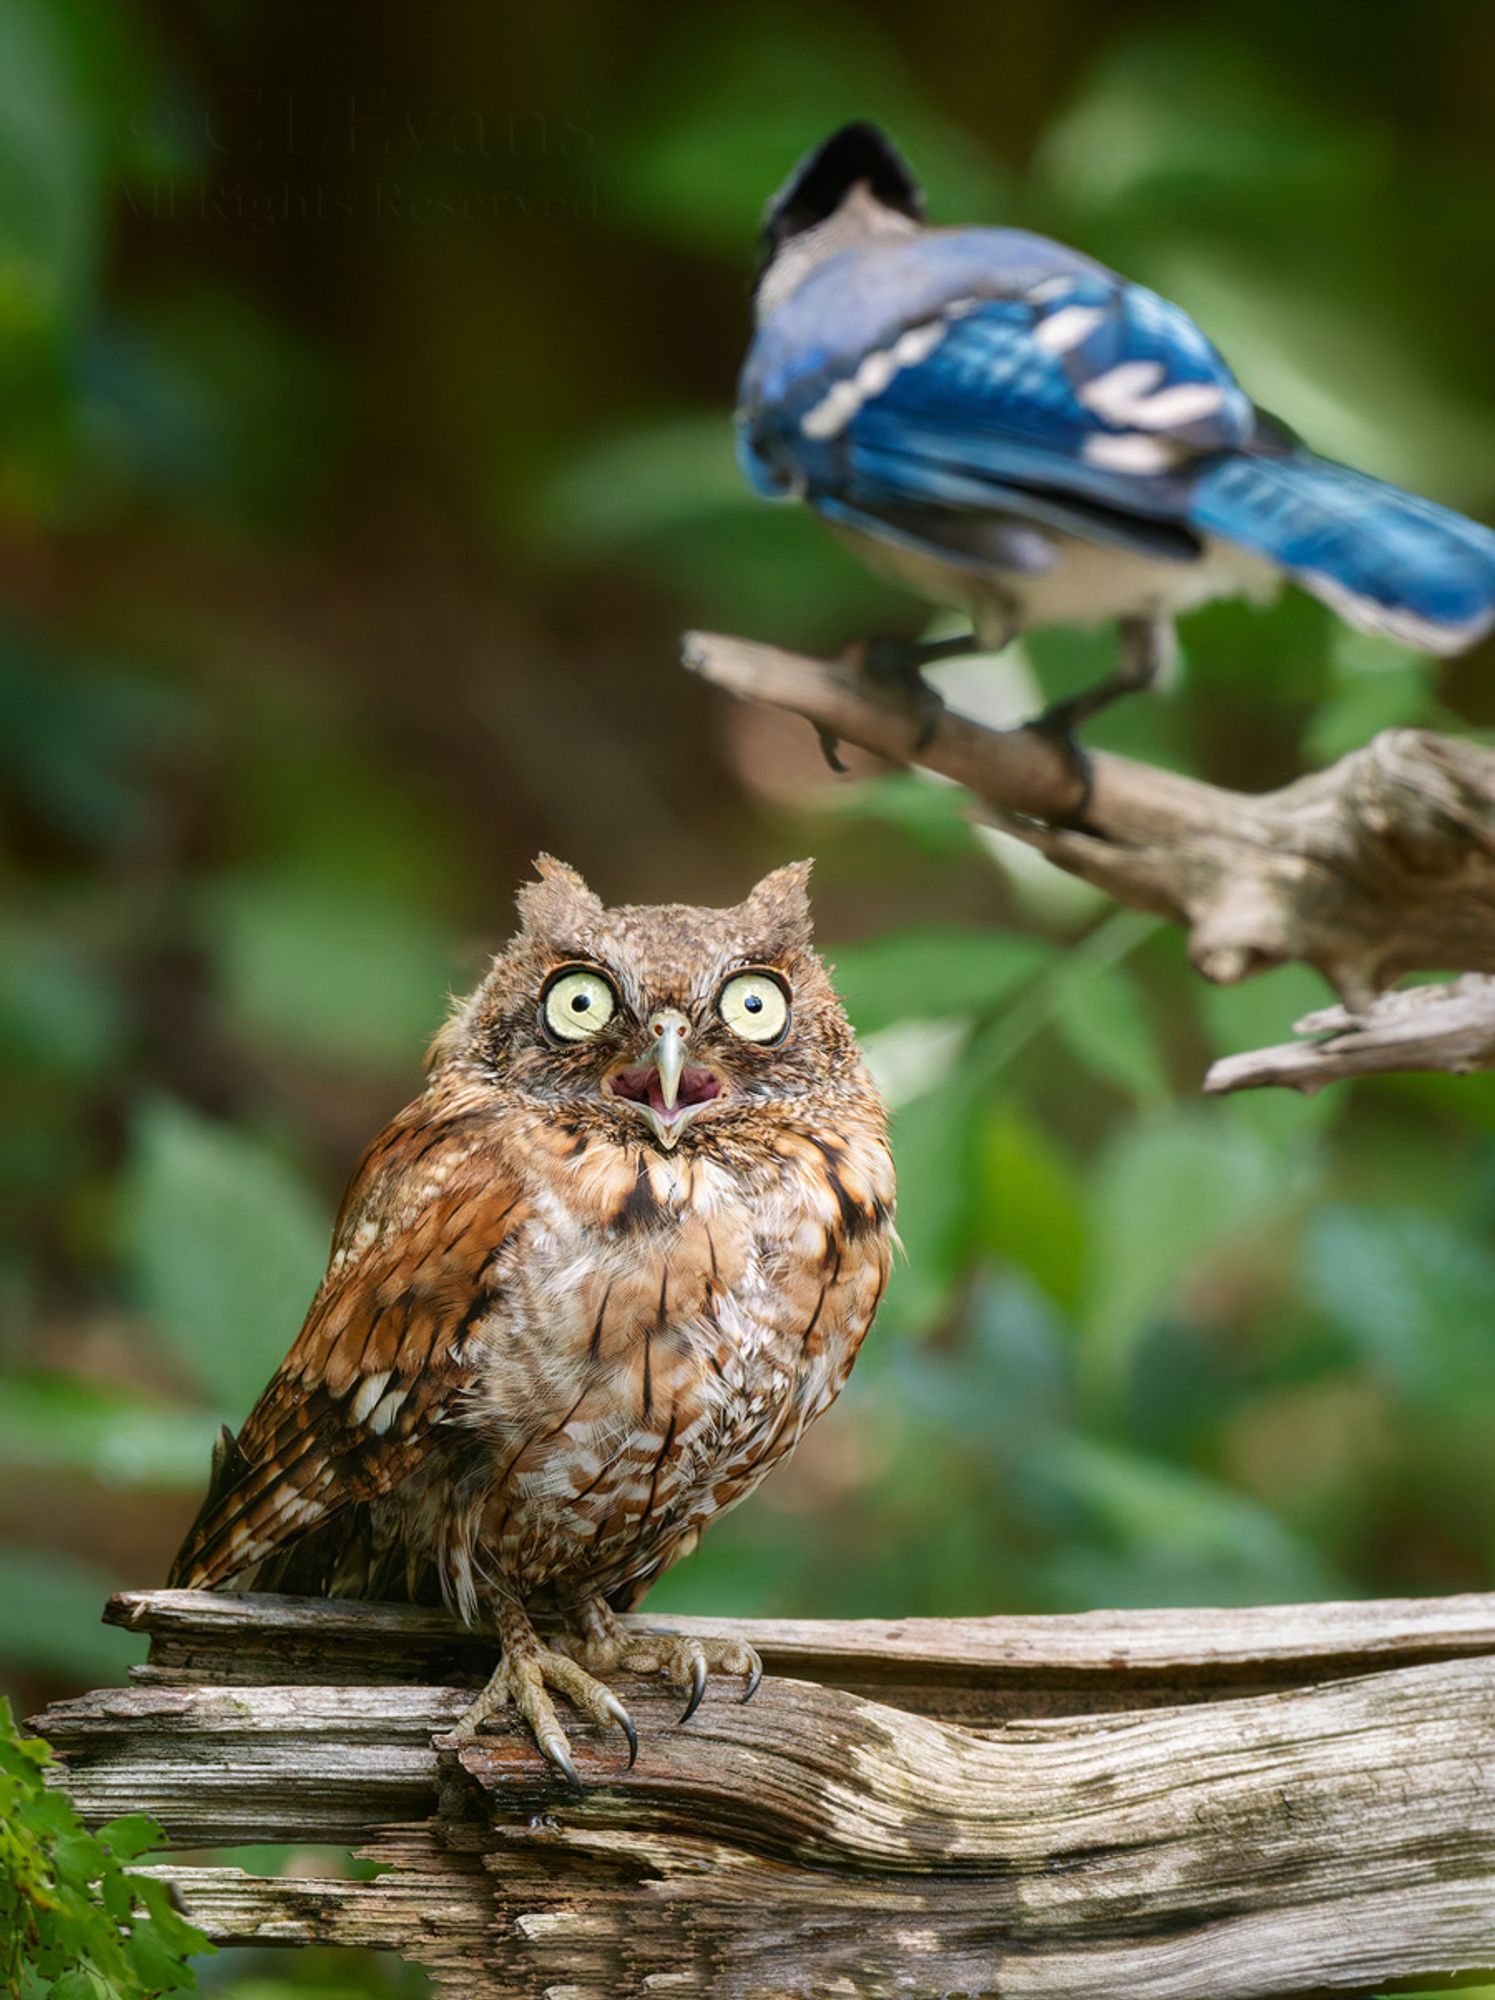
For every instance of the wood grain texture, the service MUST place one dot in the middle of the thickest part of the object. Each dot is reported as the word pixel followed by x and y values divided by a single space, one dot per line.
pixel 1335 1833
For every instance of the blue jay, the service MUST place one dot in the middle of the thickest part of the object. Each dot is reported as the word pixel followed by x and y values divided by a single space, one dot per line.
pixel 1007 427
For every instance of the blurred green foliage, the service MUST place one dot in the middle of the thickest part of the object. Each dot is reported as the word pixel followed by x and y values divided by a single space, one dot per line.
pixel 73 1924
pixel 363 446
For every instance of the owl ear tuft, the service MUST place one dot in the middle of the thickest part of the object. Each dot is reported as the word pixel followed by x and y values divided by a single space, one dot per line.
pixel 780 905
pixel 559 898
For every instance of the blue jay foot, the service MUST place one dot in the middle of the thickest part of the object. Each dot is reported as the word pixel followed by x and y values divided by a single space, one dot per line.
pixel 1147 650
pixel 894 667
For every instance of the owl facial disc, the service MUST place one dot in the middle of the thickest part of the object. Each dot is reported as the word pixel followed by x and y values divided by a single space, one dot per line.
pixel 665 1089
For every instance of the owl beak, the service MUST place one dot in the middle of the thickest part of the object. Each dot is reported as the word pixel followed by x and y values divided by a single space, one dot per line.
pixel 669 1029
pixel 664 1088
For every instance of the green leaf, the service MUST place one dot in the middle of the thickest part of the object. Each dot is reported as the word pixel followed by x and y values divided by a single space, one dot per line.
pixel 1104 1023
pixel 1171 1192
pixel 1161 1534
pixel 1417 1296
pixel 1401 698
pixel 226 1248
pixel 54 1422
pixel 935 1141
pixel 731 116
pixel 635 485
pixel 934 817
pixel 53 1605
pixel 57 1018
pixel 130 1836
pixel 1031 1206
pixel 79 1855
pixel 76 1985
pixel 341 976
pixel 51 212
pixel 930 973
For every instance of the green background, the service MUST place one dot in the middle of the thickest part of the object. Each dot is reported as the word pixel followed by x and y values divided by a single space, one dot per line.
pixel 364 388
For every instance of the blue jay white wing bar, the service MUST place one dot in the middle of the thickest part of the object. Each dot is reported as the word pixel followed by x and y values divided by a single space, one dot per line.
pixel 1381 865
pixel 1169 1805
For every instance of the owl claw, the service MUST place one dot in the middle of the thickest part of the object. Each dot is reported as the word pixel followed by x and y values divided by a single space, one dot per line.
pixel 524 1676
pixel 608 1647
pixel 557 1751
pixel 624 1721
pixel 697 1682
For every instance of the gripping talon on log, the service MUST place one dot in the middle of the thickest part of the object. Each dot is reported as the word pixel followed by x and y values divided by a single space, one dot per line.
pixel 697 1682
pixel 624 1721
pixel 607 1647
pixel 557 1751
pixel 523 1676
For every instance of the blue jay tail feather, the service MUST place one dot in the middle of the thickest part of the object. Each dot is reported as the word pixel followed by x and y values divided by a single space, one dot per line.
pixel 1384 560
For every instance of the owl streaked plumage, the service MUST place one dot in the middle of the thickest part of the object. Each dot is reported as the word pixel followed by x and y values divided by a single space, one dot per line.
pixel 584 1292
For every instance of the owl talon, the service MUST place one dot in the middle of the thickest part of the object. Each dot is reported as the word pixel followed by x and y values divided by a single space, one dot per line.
pixel 524 1676
pixel 698 1671
pixel 557 1751
pixel 607 1648
pixel 624 1721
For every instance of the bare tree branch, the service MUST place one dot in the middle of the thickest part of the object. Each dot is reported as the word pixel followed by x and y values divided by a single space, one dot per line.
pixel 1424 1027
pixel 1381 865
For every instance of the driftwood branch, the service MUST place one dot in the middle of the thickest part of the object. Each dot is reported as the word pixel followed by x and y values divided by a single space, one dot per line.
pixel 1382 865
pixel 1206 1805
pixel 1422 1027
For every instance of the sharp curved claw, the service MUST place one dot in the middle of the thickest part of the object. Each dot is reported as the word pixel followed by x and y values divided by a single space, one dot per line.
pixel 697 1685
pixel 555 1752
pixel 624 1721
pixel 755 1676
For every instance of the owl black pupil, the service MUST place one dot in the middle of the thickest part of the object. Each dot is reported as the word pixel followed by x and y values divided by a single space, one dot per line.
pixel 580 1002
pixel 754 1003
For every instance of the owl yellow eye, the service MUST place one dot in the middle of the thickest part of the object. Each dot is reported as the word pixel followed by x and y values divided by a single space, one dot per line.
pixel 577 1003
pixel 755 1006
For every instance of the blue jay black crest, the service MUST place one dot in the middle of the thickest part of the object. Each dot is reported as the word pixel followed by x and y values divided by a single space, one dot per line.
pixel 824 178
pixel 1009 427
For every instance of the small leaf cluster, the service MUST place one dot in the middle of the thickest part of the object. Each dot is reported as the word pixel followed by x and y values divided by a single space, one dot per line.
pixel 74 1924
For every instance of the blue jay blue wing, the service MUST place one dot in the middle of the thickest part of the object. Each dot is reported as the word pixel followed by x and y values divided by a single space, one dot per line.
pixel 948 391
pixel 1084 405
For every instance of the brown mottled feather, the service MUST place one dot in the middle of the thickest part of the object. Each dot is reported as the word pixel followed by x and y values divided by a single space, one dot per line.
pixel 405 1272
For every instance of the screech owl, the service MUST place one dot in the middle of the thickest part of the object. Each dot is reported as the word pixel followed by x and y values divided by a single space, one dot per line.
pixel 584 1293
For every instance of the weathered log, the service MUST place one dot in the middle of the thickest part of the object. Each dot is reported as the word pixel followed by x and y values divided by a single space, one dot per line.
pixel 1382 865
pixel 1255 1802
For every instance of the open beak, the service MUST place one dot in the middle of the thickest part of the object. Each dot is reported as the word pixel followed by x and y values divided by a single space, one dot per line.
pixel 665 1088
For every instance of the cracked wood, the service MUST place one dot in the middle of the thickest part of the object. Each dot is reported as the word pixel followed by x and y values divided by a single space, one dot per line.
pixel 1335 1832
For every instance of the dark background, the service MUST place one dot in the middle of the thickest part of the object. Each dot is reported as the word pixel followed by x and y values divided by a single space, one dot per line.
pixel 365 375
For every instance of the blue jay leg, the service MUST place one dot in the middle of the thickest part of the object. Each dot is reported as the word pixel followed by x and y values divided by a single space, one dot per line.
pixel 895 667
pixel 1147 649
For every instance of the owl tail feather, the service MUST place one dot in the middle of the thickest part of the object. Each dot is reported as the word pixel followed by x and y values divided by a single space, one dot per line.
pixel 1384 560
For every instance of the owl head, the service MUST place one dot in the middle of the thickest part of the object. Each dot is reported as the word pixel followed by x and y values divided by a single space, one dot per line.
pixel 662 1023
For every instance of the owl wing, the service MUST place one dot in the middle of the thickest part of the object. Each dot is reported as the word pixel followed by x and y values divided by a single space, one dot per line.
pixel 380 1361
